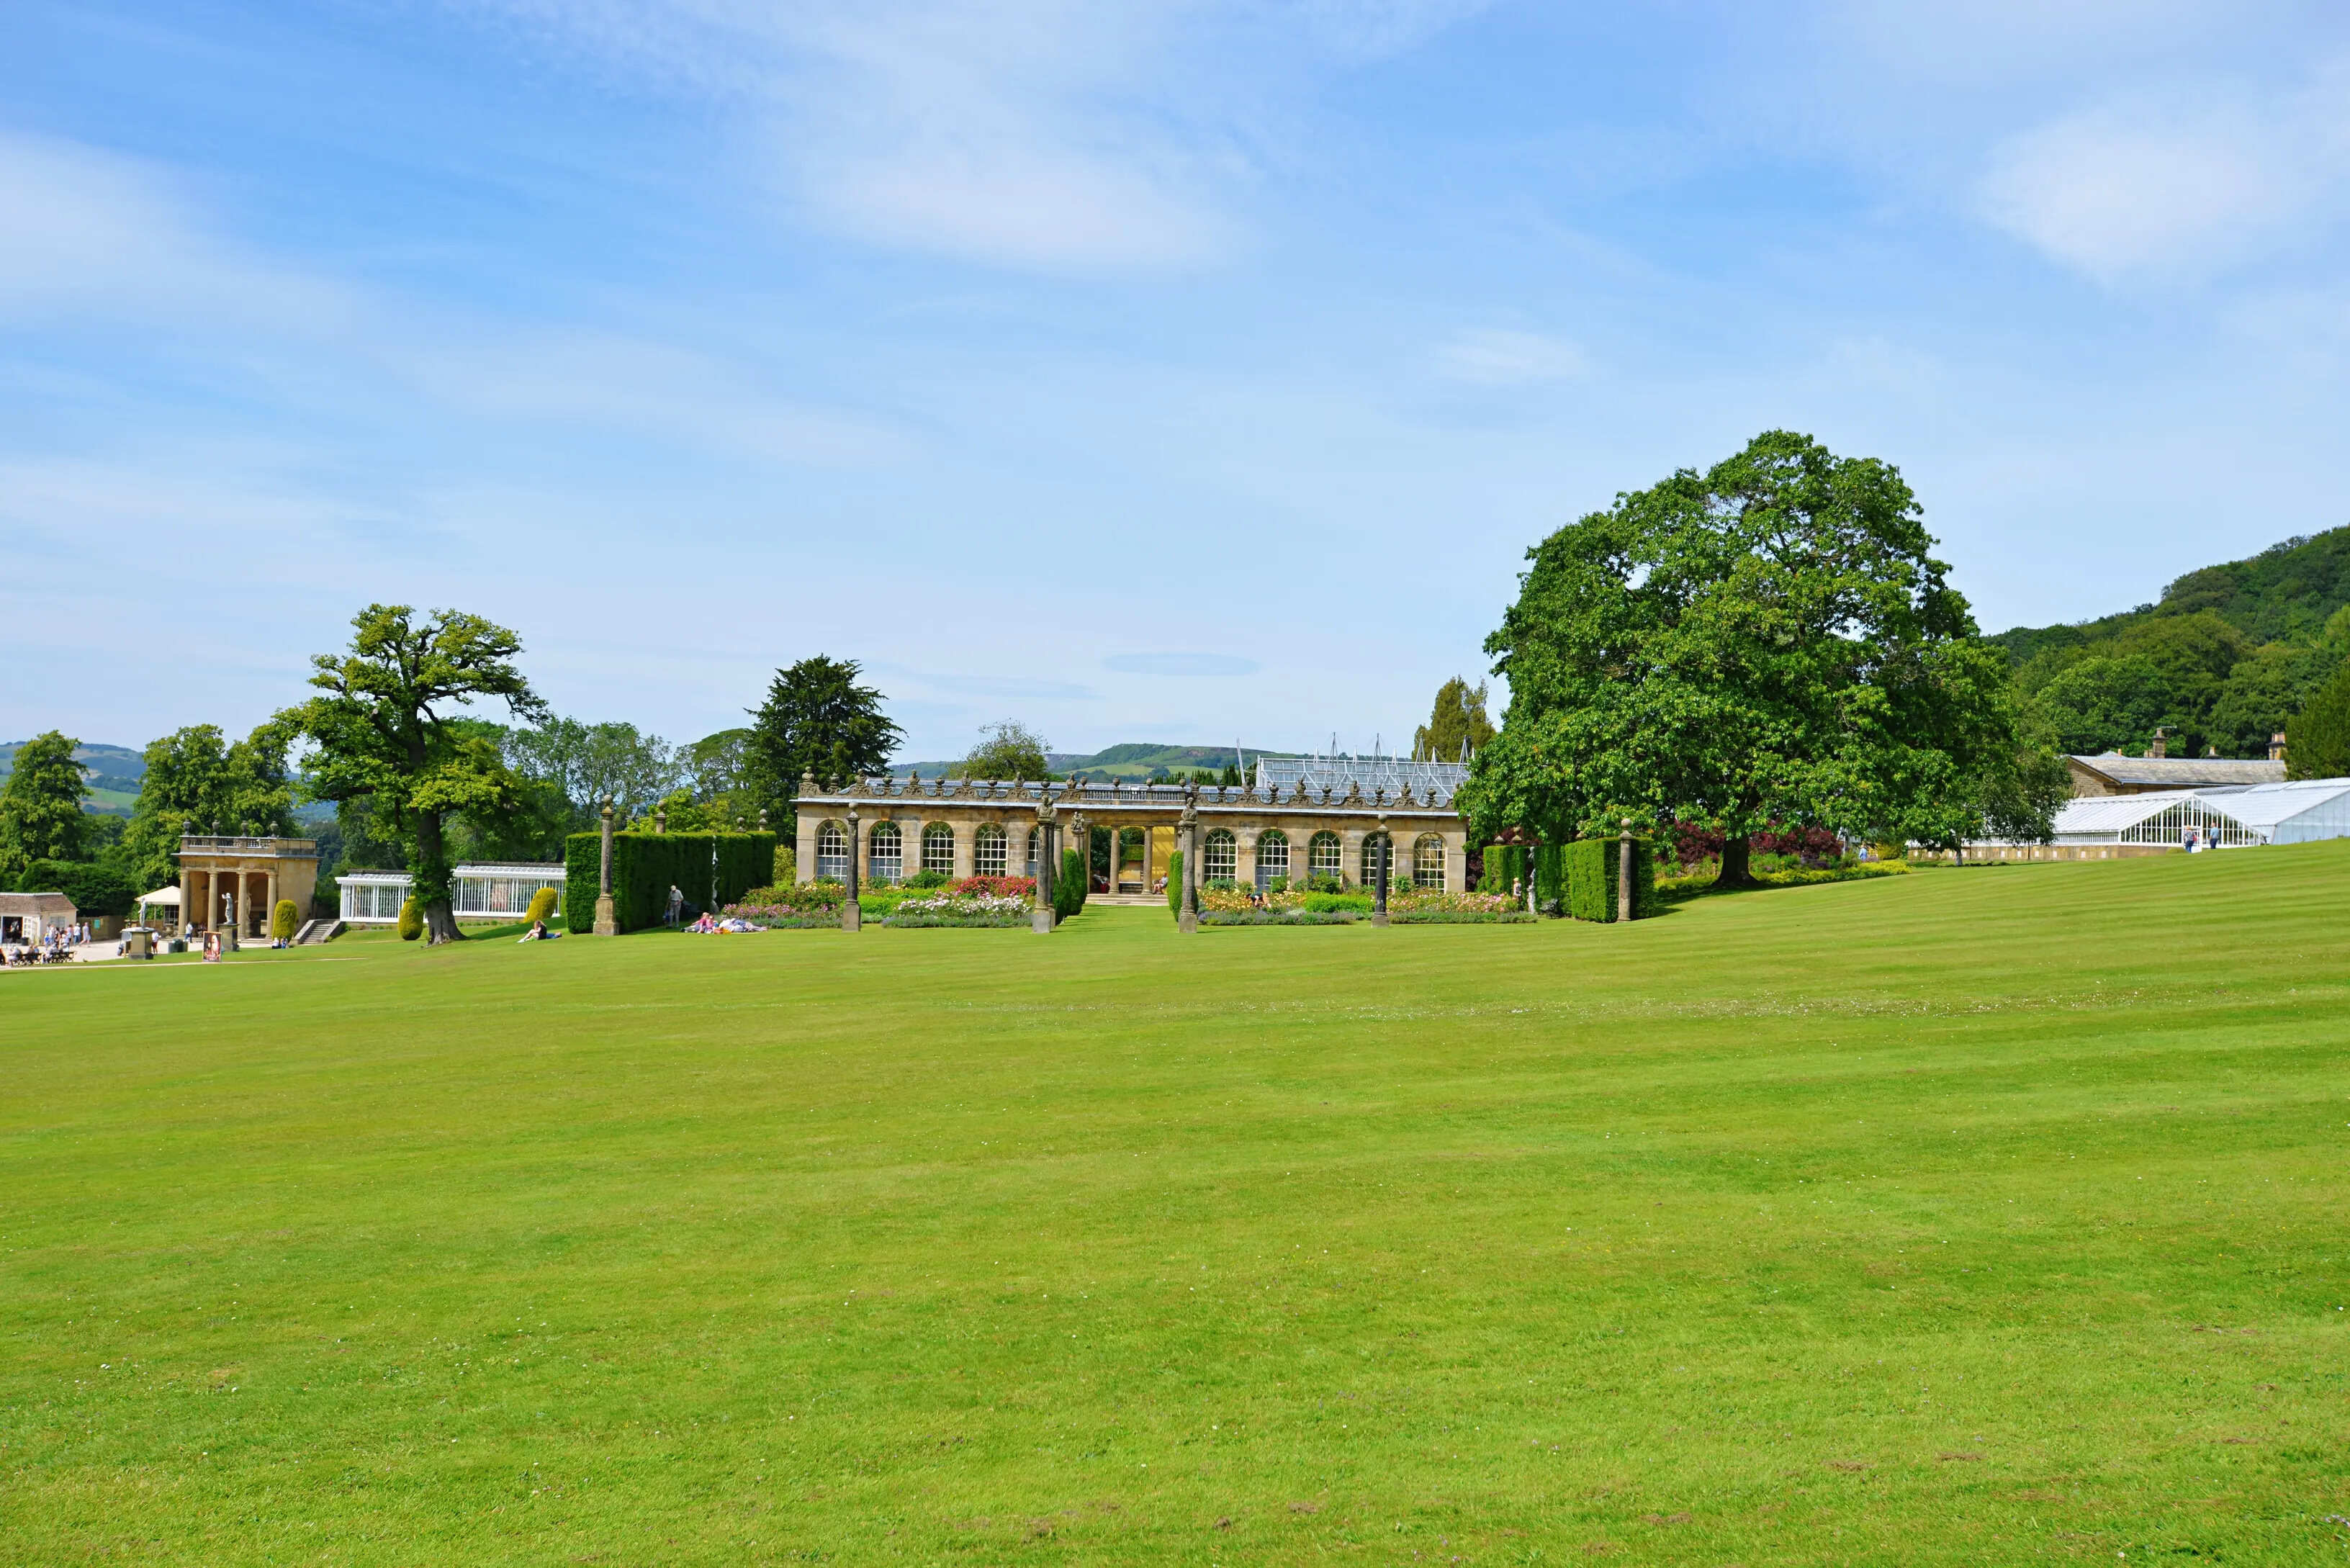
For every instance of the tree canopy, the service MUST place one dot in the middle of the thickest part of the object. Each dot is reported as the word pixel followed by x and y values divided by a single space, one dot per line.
pixel 2318 741
pixel 382 729
pixel 197 781
pixel 1458 721
pixel 1768 642
pixel 1009 750
pixel 817 720
pixel 40 805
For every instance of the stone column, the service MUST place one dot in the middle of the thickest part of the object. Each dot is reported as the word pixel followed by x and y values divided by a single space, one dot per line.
pixel 852 917
pixel 608 920
pixel 1624 872
pixel 1187 837
pixel 270 931
pixel 1244 852
pixel 1380 890
pixel 1040 920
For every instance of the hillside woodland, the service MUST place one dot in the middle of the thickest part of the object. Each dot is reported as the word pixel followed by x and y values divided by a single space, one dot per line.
pixel 2224 659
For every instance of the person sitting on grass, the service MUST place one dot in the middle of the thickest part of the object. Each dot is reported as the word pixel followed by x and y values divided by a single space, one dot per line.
pixel 538 933
pixel 705 926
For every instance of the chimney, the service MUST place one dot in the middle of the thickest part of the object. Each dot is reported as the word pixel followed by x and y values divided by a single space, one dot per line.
pixel 2161 747
pixel 2276 747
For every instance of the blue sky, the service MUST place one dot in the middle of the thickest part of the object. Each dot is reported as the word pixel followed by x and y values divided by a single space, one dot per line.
pixel 1159 370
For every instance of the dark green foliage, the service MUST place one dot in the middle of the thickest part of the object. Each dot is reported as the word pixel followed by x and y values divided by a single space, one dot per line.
pixel 2286 593
pixel 1175 882
pixel 817 720
pixel 1504 864
pixel 2317 742
pixel 1458 720
pixel 1006 750
pixel 1550 878
pixel 198 781
pixel 1070 888
pixel 96 887
pixel 646 866
pixel 925 878
pixel 40 803
pixel 1770 640
pixel 1593 868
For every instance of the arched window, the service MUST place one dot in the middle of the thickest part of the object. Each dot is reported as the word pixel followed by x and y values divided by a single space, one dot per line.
pixel 1036 837
pixel 938 847
pixel 1220 857
pixel 832 852
pixel 1371 842
pixel 1271 857
pixel 889 858
pixel 1325 857
pixel 1428 861
pixel 987 851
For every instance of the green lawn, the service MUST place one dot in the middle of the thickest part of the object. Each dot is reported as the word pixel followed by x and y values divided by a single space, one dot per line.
pixel 1972 1217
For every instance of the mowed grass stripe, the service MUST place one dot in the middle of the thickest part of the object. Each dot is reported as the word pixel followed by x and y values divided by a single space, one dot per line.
pixel 1979 1216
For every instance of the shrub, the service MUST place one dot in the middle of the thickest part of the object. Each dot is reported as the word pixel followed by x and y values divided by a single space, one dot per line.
pixel 541 907
pixel 646 866
pixel 1175 883
pixel 411 921
pixel 787 866
pixel 926 878
pixel 995 887
pixel 1070 887
pixel 1593 866
pixel 1326 883
pixel 282 921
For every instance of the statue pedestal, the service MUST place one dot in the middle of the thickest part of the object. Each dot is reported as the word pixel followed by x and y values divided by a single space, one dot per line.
pixel 607 920
pixel 1186 922
pixel 852 918
pixel 1378 916
pixel 1040 920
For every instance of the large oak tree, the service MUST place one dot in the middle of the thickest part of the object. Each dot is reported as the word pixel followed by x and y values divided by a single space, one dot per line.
pixel 383 729
pixel 1768 641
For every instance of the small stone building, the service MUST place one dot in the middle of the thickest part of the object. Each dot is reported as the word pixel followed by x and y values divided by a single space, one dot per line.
pixel 27 917
pixel 1301 817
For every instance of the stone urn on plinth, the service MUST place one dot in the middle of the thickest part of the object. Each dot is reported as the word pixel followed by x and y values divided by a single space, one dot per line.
pixel 607 920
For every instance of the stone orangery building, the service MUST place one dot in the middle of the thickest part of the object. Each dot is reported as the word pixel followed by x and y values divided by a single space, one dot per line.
pixel 1318 816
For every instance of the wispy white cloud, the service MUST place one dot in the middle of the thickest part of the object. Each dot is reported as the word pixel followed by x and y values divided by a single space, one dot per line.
pixel 2162 188
pixel 1050 135
pixel 1496 356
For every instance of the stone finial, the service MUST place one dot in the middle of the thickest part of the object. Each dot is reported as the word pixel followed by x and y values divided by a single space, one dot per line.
pixel 1325 794
pixel 1379 797
pixel 1354 791
pixel 807 781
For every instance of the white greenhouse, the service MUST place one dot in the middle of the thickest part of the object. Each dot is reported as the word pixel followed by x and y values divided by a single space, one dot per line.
pixel 482 892
pixel 2297 813
pixel 2225 816
pixel 2161 818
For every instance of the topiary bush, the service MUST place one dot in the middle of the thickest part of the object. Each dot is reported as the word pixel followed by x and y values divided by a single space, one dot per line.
pixel 1175 883
pixel 541 907
pixel 282 921
pixel 411 921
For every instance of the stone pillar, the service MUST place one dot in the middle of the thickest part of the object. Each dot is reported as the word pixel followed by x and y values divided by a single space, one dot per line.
pixel 1187 920
pixel 608 920
pixel 1040 920
pixel 1624 872
pixel 1244 854
pixel 1379 888
pixel 966 832
pixel 852 918
pixel 270 931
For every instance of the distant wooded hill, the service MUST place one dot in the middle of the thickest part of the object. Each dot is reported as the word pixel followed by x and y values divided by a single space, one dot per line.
pixel 2221 662
pixel 115 774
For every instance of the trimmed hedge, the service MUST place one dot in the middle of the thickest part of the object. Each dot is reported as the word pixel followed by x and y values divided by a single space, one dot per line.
pixel 411 920
pixel 1175 883
pixel 1070 887
pixel 1504 864
pixel 282 920
pixel 645 865
pixel 1550 878
pixel 1592 867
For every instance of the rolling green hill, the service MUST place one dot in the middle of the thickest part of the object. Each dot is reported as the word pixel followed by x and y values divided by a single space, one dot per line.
pixel 115 774
pixel 1128 759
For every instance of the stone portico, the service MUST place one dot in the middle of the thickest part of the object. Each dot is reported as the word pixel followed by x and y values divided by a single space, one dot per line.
pixel 238 881
pixel 1320 819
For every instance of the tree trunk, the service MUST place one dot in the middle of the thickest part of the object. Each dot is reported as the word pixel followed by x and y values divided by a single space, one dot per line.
pixel 432 874
pixel 1735 862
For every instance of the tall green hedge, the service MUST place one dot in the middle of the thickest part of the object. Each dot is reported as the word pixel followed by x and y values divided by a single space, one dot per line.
pixel 95 889
pixel 1550 878
pixel 1592 867
pixel 1504 864
pixel 645 865
pixel 1070 888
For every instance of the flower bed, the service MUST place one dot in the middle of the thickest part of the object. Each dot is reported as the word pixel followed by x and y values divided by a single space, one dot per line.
pixel 958 908
pixel 1502 917
pixel 1253 917
pixel 782 916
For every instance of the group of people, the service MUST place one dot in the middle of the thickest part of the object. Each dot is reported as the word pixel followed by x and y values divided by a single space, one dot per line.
pixel 710 925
